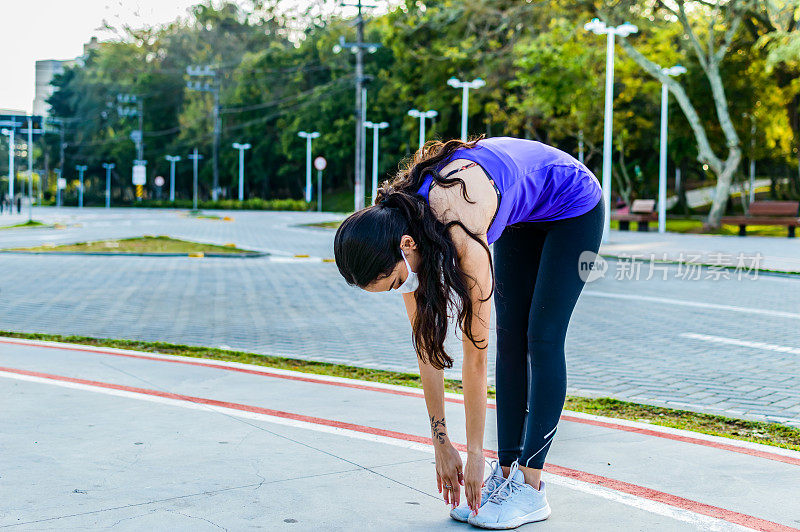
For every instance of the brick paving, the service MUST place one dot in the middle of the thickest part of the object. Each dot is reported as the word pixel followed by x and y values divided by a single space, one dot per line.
pixel 720 346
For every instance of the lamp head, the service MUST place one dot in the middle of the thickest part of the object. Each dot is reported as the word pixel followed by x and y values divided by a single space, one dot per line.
pixel 626 29
pixel 677 70
pixel 478 83
pixel 596 26
pixel 453 82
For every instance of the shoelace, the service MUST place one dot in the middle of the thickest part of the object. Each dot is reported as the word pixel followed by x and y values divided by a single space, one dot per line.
pixel 493 481
pixel 505 489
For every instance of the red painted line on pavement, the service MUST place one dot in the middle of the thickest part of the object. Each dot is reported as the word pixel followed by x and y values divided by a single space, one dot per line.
pixel 676 501
pixel 605 424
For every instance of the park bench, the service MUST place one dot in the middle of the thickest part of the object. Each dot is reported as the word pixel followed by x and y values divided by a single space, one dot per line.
pixel 642 212
pixel 767 213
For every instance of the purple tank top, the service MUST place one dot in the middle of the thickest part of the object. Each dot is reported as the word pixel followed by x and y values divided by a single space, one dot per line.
pixel 534 182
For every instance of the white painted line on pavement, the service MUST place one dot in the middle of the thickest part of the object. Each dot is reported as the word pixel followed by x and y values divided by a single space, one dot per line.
pixel 742 343
pixel 696 304
pixel 655 507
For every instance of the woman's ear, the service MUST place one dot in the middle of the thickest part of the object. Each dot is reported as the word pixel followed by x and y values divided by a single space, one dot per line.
pixel 407 242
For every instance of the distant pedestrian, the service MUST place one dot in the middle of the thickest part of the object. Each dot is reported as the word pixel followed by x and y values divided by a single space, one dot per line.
pixel 545 212
pixel 19 203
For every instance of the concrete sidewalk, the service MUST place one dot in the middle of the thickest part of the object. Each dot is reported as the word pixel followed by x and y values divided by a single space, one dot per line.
pixel 102 437
pixel 767 253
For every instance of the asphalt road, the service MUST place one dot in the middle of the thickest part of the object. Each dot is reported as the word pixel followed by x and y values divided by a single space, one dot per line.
pixel 714 344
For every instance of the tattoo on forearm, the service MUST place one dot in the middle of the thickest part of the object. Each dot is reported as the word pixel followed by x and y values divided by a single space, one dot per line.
pixel 439 429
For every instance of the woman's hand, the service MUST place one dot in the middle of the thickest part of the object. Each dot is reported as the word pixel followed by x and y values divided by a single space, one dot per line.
pixel 473 480
pixel 449 472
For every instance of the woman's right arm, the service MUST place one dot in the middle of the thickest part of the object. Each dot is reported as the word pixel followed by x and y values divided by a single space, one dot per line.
pixel 449 467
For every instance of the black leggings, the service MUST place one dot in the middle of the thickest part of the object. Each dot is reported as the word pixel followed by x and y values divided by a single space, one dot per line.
pixel 537 286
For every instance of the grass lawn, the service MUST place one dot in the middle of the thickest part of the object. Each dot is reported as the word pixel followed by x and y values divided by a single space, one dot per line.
pixel 754 431
pixel 145 244
pixel 688 225
pixel 29 223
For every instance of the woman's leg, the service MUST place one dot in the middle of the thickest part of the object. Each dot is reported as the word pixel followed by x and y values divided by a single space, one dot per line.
pixel 516 260
pixel 558 285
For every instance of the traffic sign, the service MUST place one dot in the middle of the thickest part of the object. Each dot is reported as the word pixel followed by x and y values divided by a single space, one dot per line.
pixel 320 163
pixel 139 174
pixel 159 181
pixel 62 183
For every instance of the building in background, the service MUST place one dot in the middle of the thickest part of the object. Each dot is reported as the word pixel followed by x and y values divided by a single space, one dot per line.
pixel 46 70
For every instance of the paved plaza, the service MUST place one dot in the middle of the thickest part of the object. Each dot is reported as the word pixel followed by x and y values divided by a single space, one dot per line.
pixel 707 340
pixel 102 438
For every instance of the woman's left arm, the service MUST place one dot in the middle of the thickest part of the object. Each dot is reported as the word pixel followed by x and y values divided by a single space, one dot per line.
pixel 474 260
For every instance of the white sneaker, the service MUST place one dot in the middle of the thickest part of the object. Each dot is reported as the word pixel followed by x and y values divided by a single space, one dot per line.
pixel 495 478
pixel 512 504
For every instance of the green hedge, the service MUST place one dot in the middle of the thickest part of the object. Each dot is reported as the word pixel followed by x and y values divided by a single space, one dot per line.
pixel 228 204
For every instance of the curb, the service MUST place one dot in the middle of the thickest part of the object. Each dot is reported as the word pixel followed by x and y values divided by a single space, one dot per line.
pixel 194 254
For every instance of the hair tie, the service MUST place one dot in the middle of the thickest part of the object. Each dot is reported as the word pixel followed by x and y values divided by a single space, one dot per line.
pixel 383 194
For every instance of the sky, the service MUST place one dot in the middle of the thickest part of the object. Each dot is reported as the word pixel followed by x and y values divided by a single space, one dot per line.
pixel 57 29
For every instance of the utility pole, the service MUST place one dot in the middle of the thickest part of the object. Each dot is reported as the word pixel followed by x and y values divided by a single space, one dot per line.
pixel 10 132
pixel 476 83
pixel 194 156
pixel 108 167
pixel 309 137
pixel 375 128
pixel 241 148
pixel 206 71
pixel 580 146
pixel 81 168
pixel 30 131
pixel 172 160
pixel 358 48
pixel 422 115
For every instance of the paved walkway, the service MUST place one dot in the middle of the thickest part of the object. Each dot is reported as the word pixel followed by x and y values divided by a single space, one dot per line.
pixel 104 438
pixel 761 252
pixel 705 342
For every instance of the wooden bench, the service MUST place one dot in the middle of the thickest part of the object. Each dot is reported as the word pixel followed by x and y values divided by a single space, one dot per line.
pixel 642 212
pixel 767 213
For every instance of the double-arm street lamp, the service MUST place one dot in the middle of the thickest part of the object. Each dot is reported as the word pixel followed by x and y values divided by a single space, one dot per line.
pixel 422 115
pixel 375 128
pixel 476 83
pixel 309 137
pixel 241 148
pixel 623 30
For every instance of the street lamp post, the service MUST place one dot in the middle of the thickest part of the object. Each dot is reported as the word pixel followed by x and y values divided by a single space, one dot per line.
pixel 30 131
pixel 623 30
pixel 309 137
pixel 108 167
pixel 172 160
pixel 10 134
pixel 676 70
pixel 422 115
pixel 375 128
pixel 241 148
pixel 195 157
pixel 58 186
pixel 81 168
pixel 476 83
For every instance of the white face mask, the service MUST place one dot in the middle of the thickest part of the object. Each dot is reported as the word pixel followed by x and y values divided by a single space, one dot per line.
pixel 411 283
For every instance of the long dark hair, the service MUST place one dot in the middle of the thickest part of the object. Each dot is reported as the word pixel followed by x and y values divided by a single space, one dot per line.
pixel 367 248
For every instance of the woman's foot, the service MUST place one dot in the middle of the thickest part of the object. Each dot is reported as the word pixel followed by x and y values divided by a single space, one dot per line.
pixel 495 478
pixel 513 504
